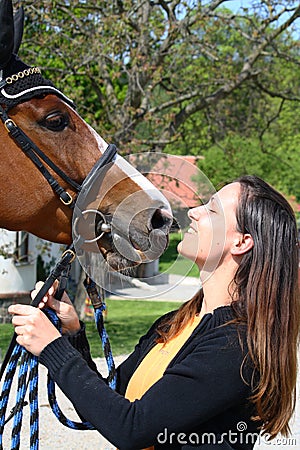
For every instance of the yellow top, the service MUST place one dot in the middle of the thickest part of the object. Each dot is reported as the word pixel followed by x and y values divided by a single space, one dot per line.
pixel 153 366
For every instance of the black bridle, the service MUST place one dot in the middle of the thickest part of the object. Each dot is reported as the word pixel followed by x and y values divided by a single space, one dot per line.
pixel 38 157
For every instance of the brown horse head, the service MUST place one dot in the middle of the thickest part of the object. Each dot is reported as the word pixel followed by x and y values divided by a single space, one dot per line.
pixel 137 216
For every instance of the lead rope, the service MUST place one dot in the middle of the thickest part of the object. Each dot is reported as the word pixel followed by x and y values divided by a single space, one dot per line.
pixel 99 308
pixel 28 368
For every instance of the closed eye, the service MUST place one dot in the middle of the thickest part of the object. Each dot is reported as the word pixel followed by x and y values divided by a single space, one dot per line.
pixel 209 208
pixel 56 121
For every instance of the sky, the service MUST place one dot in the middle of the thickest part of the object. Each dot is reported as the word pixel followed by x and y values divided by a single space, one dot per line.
pixel 234 6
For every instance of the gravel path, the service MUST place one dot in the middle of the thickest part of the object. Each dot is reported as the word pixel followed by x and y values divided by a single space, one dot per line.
pixel 53 435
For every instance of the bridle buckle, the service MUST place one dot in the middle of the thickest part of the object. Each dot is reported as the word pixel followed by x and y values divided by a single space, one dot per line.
pixel 67 201
pixel 9 125
pixel 72 254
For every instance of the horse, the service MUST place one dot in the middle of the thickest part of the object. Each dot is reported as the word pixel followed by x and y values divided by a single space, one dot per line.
pixel 43 139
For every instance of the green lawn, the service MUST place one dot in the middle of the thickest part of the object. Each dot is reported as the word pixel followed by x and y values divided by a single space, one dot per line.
pixel 6 332
pixel 127 321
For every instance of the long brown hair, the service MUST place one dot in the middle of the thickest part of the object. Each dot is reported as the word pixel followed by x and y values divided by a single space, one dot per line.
pixel 266 298
pixel 173 324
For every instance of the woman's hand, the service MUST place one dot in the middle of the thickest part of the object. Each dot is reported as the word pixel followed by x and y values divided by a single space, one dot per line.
pixel 64 309
pixel 34 330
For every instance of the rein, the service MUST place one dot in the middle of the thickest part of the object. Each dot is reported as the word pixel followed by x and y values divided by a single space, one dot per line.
pixel 28 362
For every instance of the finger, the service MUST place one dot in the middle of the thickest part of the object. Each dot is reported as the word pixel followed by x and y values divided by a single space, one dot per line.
pixel 66 299
pixel 24 310
pixel 60 307
pixel 18 320
pixel 53 303
pixel 20 340
pixel 38 286
pixel 53 288
pixel 34 293
pixel 19 330
pixel 50 295
pixel 37 289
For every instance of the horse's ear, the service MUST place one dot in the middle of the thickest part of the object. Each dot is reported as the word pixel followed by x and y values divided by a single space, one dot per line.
pixel 6 32
pixel 19 27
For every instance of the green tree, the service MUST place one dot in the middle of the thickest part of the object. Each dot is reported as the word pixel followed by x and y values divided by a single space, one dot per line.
pixel 178 76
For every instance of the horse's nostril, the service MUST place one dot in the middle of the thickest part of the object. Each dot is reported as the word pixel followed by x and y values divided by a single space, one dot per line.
pixel 161 219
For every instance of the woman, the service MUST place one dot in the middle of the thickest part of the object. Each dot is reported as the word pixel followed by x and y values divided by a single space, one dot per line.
pixel 219 369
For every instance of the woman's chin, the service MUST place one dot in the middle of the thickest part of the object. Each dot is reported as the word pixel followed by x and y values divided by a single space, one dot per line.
pixel 179 247
pixel 187 251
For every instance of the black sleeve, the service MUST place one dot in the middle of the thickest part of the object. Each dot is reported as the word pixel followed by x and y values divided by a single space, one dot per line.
pixel 127 368
pixel 203 384
pixel 80 342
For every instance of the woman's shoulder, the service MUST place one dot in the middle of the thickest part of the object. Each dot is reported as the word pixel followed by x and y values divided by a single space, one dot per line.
pixel 222 325
pixel 166 318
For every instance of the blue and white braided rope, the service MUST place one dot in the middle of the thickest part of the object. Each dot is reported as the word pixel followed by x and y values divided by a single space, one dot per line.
pixel 29 369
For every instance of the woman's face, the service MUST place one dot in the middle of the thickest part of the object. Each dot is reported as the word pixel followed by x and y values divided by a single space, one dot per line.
pixel 212 230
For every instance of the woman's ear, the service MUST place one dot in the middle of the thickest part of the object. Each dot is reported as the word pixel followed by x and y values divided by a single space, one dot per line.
pixel 242 244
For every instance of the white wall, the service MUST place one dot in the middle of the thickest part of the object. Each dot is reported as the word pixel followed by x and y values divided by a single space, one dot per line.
pixel 16 277
pixel 21 277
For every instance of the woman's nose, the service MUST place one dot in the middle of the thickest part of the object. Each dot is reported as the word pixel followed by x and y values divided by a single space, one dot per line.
pixel 195 213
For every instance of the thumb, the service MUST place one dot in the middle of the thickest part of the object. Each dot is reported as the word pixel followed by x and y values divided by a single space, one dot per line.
pixel 53 303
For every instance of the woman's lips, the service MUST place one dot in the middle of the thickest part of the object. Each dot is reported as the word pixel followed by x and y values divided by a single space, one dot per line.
pixel 192 230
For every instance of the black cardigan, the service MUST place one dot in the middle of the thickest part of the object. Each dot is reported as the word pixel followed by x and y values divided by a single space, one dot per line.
pixel 200 402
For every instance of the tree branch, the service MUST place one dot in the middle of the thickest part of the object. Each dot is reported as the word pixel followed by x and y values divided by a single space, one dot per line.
pixel 229 87
pixel 273 94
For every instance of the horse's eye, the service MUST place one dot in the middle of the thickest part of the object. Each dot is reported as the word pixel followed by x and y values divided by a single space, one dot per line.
pixel 55 121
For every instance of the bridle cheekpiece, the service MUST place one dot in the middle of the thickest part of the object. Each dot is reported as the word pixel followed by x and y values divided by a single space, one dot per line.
pixel 23 85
